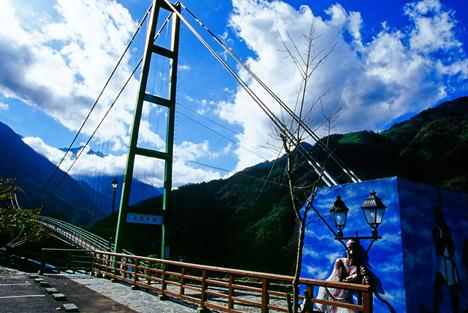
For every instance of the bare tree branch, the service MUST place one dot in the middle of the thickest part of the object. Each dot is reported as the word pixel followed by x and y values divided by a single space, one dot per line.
pixel 306 63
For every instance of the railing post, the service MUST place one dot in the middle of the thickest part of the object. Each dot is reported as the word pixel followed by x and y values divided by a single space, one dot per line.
pixel 135 275
pixel 99 263
pixel 231 292
pixel 114 259
pixel 308 306
pixel 202 308
pixel 94 268
pixel 182 281
pixel 289 302
pixel 265 296
pixel 67 261
pixel 148 274
pixel 163 284
pixel 43 263
pixel 124 267
pixel 367 301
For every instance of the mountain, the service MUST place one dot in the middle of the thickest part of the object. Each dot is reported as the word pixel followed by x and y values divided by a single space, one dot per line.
pixel 76 150
pixel 212 221
pixel 433 145
pixel 430 147
pixel 101 185
pixel 245 221
pixel 31 171
pixel 82 200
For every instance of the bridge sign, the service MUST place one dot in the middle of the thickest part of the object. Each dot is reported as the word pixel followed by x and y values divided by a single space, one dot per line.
pixel 145 219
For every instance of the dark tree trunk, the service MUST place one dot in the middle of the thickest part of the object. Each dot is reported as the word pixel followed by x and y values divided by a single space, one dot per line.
pixel 298 269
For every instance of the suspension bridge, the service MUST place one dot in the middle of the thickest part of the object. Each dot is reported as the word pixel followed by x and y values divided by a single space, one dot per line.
pixel 208 287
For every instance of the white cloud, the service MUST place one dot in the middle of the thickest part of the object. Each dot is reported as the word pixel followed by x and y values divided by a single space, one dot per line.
pixel 309 252
pixel 53 154
pixel 205 106
pixel 88 164
pixel 394 73
pixel 184 67
pixel 58 61
pixel 317 272
pixel 59 64
pixel 433 29
pixel 4 106
pixel 146 169
pixel 192 151
pixel 332 257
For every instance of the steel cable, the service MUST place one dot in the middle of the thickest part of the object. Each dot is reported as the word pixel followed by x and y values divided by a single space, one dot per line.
pixel 107 112
pixel 309 131
pixel 97 100
pixel 276 121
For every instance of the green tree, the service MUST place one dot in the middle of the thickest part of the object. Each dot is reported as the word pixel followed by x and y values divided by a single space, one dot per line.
pixel 17 225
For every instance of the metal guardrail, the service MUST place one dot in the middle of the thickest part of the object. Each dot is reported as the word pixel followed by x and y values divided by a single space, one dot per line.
pixel 77 236
pixel 221 289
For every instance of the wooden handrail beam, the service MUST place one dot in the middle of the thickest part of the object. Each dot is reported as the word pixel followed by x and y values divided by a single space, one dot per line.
pixel 235 289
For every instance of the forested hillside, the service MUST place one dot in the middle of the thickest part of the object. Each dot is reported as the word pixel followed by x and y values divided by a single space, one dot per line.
pixel 245 221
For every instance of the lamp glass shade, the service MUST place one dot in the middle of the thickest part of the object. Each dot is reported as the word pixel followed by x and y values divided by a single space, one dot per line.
pixel 339 211
pixel 115 183
pixel 340 219
pixel 374 210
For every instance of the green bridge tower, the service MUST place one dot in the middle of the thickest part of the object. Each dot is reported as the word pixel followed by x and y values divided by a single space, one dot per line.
pixel 169 103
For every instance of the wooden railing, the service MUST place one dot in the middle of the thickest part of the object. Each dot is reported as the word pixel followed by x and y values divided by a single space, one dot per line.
pixel 220 289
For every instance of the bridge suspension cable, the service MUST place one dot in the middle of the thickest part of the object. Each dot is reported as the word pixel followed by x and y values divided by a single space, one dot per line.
pixel 264 180
pixel 108 109
pixel 223 136
pixel 326 177
pixel 97 100
pixel 283 105
pixel 263 146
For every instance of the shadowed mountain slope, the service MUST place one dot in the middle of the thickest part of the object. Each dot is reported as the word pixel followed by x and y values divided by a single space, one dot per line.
pixel 245 221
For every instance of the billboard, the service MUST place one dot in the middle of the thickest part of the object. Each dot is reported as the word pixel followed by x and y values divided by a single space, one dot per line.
pixel 421 260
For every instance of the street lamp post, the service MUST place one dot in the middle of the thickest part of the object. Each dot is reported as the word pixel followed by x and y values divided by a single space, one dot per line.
pixel 339 211
pixel 115 184
pixel 373 210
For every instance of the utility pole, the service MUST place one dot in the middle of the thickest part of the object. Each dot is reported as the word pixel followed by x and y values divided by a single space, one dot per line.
pixel 144 96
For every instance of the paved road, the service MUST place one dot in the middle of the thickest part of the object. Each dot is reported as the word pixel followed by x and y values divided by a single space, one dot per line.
pixel 138 300
pixel 146 302
pixel 20 294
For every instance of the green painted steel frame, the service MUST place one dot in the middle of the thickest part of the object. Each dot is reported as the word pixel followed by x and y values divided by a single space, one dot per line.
pixel 167 156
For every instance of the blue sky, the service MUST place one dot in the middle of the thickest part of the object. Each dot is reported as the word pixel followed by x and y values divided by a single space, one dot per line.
pixel 391 60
